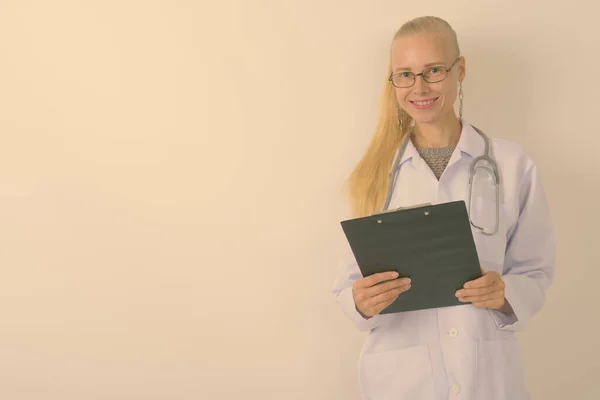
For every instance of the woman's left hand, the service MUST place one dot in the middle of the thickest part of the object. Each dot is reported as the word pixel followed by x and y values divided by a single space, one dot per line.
pixel 485 292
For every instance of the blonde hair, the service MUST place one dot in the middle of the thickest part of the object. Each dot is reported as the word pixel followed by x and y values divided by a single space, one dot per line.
pixel 367 186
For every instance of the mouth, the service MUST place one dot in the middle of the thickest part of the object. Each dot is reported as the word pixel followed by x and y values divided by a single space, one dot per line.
pixel 423 104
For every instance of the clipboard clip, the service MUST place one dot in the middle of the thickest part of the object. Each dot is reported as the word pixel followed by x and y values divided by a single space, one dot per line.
pixel 403 208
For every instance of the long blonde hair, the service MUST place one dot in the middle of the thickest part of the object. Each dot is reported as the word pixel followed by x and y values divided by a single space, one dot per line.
pixel 367 186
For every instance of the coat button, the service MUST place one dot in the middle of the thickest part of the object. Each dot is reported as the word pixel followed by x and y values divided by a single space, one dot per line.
pixel 453 332
pixel 456 389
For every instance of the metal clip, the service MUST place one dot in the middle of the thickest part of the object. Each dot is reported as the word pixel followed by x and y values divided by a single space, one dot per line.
pixel 404 208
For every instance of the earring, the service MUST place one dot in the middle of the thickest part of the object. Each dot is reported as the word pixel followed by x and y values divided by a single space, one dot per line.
pixel 461 96
pixel 400 122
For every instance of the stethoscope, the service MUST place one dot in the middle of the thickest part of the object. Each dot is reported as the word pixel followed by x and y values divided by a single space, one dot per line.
pixel 485 158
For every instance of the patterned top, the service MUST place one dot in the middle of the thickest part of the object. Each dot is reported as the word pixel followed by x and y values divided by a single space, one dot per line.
pixel 436 158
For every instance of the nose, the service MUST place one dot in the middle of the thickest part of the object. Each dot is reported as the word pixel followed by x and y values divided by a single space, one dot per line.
pixel 420 85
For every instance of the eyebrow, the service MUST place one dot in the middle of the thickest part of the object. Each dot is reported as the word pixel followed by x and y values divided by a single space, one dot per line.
pixel 426 65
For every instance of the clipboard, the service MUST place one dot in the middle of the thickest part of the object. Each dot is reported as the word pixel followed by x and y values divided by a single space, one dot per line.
pixel 431 244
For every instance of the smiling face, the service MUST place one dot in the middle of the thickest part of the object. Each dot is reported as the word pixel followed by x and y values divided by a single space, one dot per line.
pixel 427 102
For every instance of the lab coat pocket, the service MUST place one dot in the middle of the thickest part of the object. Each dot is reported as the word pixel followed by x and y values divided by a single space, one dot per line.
pixel 500 371
pixel 398 374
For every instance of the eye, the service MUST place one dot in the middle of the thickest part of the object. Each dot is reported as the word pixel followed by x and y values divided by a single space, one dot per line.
pixel 435 72
pixel 405 74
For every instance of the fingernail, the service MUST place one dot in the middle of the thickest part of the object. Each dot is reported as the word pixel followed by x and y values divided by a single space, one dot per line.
pixel 395 274
pixel 407 280
pixel 457 294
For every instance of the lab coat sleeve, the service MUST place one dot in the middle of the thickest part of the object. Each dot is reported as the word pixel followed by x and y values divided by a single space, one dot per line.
pixel 530 256
pixel 348 273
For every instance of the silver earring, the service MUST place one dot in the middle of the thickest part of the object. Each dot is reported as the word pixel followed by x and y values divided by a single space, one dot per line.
pixel 461 96
pixel 400 122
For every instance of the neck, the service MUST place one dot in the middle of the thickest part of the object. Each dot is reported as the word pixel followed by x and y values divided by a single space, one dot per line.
pixel 443 133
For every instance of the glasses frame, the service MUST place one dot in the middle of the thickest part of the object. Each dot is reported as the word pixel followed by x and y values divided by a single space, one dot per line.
pixel 423 76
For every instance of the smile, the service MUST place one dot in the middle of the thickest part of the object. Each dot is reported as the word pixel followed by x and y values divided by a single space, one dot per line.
pixel 422 104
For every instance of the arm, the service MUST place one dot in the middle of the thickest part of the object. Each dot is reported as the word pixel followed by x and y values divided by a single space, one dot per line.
pixel 530 257
pixel 348 274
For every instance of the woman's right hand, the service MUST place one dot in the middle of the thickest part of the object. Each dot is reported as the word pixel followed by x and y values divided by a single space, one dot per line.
pixel 372 293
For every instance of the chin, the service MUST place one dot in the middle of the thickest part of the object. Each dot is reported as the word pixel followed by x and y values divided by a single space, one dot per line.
pixel 431 118
pixel 426 119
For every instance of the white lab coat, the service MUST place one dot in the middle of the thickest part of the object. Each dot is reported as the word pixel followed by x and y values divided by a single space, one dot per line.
pixel 462 352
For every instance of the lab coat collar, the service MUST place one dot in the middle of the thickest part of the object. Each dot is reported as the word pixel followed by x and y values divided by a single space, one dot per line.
pixel 409 152
pixel 470 143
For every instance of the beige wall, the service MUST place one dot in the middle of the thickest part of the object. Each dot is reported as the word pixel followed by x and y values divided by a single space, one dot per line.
pixel 170 175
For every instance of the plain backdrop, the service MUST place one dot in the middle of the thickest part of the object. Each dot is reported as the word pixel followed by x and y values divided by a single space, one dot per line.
pixel 170 187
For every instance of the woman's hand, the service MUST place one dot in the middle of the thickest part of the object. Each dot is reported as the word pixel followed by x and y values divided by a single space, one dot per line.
pixel 485 292
pixel 372 293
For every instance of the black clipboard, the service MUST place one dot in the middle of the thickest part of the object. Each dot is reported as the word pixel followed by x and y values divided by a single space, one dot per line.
pixel 431 244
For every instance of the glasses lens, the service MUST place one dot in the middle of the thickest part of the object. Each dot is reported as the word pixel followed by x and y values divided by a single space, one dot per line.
pixel 483 198
pixel 403 79
pixel 435 74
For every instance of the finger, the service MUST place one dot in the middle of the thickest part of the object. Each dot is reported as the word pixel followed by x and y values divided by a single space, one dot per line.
pixel 381 306
pixel 386 286
pixel 496 286
pixel 481 298
pixel 374 279
pixel 371 306
pixel 492 304
pixel 363 296
pixel 477 291
pixel 388 296
pixel 486 280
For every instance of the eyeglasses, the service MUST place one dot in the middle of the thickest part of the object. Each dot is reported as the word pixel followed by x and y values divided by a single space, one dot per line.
pixel 433 74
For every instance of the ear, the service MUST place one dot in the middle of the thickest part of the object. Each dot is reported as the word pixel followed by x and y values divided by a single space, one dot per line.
pixel 462 71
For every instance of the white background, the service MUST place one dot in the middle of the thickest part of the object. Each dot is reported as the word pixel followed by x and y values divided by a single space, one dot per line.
pixel 170 177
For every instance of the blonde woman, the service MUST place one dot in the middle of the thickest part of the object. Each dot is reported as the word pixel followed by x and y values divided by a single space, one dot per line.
pixel 468 351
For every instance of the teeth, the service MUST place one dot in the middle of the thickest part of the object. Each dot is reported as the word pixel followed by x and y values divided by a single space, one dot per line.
pixel 423 103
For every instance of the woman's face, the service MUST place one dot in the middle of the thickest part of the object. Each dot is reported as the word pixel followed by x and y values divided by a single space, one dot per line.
pixel 426 102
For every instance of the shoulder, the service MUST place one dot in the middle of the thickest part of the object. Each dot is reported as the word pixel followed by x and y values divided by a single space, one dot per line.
pixel 512 156
pixel 517 168
pixel 509 149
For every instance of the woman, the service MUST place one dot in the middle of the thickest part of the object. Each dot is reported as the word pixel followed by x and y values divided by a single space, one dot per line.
pixel 468 351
